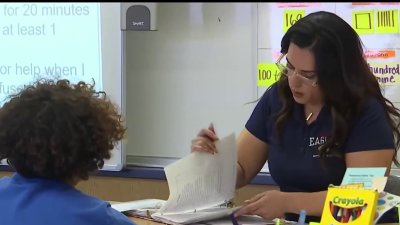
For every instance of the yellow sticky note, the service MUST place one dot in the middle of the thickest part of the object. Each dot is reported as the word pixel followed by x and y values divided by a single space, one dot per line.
pixel 290 16
pixel 268 73
pixel 363 21
pixel 387 21
pixel 387 74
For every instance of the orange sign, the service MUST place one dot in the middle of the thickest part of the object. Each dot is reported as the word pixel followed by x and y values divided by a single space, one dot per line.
pixel 379 54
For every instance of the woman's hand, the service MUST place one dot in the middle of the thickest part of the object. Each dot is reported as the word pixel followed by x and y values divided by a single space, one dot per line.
pixel 269 205
pixel 204 142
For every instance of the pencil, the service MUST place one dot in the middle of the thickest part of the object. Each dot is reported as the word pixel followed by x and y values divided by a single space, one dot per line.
pixel 309 116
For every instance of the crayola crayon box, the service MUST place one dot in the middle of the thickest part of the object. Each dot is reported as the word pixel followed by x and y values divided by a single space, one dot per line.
pixel 349 206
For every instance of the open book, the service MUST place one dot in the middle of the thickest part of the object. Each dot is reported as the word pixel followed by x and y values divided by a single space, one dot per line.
pixel 199 185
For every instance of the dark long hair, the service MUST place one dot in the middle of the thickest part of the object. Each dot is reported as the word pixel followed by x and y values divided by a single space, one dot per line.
pixel 343 75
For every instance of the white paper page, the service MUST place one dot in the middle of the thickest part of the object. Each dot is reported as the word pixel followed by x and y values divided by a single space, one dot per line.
pixel 362 175
pixel 194 217
pixel 138 204
pixel 202 180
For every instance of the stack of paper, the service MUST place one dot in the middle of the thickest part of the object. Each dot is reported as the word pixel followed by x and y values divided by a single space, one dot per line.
pixel 143 208
pixel 199 184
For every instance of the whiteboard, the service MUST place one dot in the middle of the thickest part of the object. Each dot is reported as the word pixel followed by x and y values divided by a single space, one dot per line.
pixel 113 71
pixel 77 41
pixel 272 18
pixel 197 68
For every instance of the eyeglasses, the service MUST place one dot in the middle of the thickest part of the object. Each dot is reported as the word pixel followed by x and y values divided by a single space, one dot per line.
pixel 309 78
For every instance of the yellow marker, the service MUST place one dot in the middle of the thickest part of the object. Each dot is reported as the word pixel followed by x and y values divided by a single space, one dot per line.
pixel 268 73
pixel 314 223
pixel 291 16
pixel 387 21
pixel 363 21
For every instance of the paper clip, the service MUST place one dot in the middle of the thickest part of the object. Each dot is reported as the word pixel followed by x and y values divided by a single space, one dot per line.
pixel 227 204
pixel 148 214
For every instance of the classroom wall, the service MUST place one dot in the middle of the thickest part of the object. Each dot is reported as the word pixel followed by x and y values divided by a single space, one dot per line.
pixel 200 66
pixel 197 68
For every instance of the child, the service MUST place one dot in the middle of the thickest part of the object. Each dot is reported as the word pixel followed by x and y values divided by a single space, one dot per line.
pixel 53 134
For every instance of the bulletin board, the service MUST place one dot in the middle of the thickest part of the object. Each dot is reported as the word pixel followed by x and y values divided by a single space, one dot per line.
pixel 376 23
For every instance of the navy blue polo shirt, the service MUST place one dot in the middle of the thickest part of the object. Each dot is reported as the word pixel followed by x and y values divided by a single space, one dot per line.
pixel 293 161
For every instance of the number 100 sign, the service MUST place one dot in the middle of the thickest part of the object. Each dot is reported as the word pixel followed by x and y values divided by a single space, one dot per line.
pixel 268 73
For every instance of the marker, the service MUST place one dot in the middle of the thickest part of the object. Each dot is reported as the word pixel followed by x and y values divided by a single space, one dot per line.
pixel 302 217
pixel 233 219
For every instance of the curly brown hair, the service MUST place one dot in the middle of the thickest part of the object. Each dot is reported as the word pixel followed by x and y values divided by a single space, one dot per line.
pixel 57 130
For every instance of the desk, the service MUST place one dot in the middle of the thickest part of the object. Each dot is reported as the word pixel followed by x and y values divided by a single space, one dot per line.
pixel 128 188
pixel 139 221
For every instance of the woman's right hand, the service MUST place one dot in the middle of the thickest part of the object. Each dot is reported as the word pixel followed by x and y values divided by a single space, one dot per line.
pixel 205 141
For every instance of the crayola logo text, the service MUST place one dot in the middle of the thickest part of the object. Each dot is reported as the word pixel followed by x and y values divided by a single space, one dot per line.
pixel 348 201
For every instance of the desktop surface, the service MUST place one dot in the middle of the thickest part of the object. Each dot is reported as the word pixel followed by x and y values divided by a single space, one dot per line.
pixel 140 221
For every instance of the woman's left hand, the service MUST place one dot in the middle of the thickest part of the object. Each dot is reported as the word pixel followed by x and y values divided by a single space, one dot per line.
pixel 269 205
